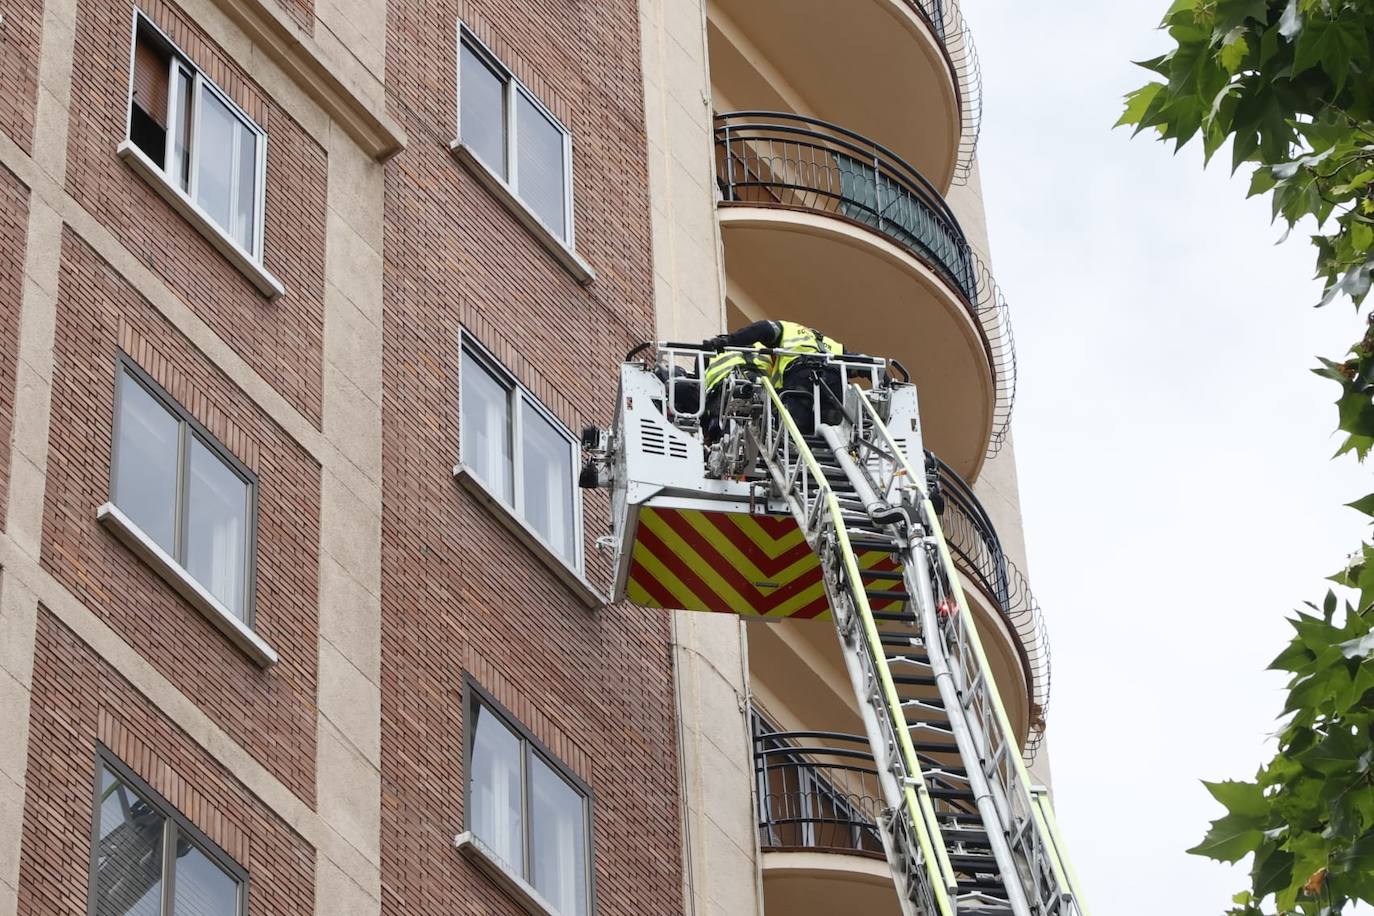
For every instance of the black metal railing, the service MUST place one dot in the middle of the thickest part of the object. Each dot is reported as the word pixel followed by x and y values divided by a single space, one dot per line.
pixel 773 159
pixel 946 20
pixel 978 553
pixel 816 790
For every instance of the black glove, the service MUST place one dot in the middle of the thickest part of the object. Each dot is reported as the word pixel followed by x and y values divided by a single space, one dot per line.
pixel 719 342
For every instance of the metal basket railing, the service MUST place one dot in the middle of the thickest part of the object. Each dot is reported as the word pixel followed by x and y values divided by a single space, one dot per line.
pixel 774 159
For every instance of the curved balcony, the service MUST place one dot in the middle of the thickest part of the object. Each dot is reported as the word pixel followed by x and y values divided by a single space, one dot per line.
pixel 817 801
pixel 826 227
pixel 904 72
pixel 978 554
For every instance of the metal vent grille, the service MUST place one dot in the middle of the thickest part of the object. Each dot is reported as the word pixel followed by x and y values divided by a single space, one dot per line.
pixel 656 441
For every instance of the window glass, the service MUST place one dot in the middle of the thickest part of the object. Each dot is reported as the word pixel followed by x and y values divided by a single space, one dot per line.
pixel 486 427
pixel 216 525
pixel 128 852
pixel 558 840
pixel 495 791
pixel 146 454
pixel 179 163
pixel 482 110
pixel 547 480
pixel 539 148
pixel 202 887
pixel 215 160
pixel 244 227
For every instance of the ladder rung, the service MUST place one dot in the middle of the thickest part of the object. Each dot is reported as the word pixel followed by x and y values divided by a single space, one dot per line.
pixel 913 680
pixel 974 865
pixel 882 595
pixel 870 542
pixel 887 575
pixel 967 837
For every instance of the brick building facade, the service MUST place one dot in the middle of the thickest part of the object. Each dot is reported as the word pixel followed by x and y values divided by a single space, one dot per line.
pixel 317 746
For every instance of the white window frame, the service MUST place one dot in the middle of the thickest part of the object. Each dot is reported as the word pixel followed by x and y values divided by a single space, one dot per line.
pixel 518 395
pixel 530 746
pixel 562 241
pixel 168 184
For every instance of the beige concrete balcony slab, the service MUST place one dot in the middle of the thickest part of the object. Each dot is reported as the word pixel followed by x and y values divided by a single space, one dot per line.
pixel 809 883
pixel 880 67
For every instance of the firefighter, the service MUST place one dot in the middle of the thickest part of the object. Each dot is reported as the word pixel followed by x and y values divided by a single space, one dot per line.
pixel 754 364
pixel 797 375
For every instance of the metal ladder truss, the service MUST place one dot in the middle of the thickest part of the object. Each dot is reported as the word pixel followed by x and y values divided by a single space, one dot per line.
pixel 965 831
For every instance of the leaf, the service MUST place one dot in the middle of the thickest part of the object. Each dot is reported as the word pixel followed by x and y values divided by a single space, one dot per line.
pixel 1137 103
pixel 1243 798
pixel 1336 753
pixel 1272 873
pixel 1333 44
pixel 1364 504
pixel 1231 839
pixel 1233 50
pixel 1361 236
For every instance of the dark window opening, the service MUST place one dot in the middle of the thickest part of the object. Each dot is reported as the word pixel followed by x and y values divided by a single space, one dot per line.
pixel 148 111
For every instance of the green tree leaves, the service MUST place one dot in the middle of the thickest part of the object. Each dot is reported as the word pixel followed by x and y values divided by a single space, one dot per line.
pixel 1290 83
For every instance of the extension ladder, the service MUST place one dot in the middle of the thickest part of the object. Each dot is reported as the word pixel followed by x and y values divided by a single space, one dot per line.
pixel 965 830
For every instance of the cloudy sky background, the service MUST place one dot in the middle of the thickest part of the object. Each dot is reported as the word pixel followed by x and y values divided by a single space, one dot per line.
pixel 1173 446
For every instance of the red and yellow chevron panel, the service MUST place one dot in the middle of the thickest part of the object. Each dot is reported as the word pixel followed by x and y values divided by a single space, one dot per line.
pixel 733 563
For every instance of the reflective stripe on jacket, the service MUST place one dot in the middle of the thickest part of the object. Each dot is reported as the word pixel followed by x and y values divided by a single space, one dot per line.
pixel 801 339
pixel 722 364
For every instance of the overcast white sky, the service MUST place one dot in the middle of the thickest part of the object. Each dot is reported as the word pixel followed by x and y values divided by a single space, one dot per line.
pixel 1172 444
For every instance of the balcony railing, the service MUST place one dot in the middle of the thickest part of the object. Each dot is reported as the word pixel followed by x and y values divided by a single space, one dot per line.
pixel 771 159
pixel 946 21
pixel 816 790
pixel 978 553
pixel 819 790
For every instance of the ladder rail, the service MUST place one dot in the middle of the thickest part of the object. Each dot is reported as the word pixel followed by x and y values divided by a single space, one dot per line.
pixel 816 507
pixel 1030 830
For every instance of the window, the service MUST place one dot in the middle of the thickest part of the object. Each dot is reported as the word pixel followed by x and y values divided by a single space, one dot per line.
pixel 521 454
pixel 147 860
pixel 515 137
pixel 183 491
pixel 527 809
pixel 208 149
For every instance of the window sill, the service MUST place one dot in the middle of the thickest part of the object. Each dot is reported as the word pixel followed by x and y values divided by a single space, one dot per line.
pixel 580 269
pixel 569 574
pixel 149 552
pixel 517 887
pixel 148 170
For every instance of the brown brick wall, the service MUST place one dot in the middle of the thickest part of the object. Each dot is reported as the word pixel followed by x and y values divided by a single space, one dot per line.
pixel 281 339
pixel 14 211
pixel 19 41
pixel 459 592
pixel 80 703
pixel 272 712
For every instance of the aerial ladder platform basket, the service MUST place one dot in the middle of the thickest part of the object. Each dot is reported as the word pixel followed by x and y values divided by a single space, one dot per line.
pixel 771 524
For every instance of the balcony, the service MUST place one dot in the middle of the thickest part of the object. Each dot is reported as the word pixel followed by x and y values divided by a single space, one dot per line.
pixel 903 72
pixel 825 227
pixel 816 804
